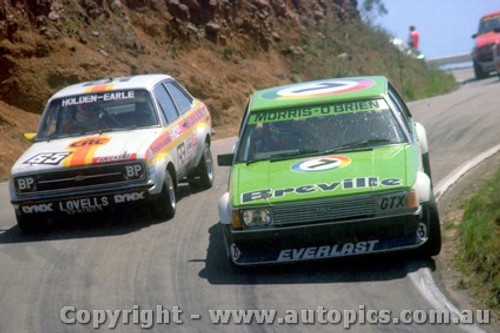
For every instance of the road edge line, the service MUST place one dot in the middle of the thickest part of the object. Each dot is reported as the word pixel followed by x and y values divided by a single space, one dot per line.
pixel 422 277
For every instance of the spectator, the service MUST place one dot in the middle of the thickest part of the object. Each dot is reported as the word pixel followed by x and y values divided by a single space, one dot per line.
pixel 413 38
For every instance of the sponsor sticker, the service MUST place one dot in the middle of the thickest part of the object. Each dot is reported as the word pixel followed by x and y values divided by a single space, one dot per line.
pixel 318 89
pixel 114 158
pixel 345 184
pixel 163 142
pixel 321 164
pixel 235 252
pixel 327 251
pixel 129 197
pixel 104 97
pixel 89 142
pixel 38 208
pixel 83 150
pixel 305 112
pixel 53 158
pixel 83 205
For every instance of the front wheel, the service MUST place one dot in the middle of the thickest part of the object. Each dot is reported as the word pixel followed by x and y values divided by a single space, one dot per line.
pixel 226 237
pixel 430 221
pixel 427 164
pixel 165 205
pixel 478 72
pixel 29 224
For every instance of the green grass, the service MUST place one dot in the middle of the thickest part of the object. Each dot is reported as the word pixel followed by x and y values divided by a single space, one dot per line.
pixel 479 254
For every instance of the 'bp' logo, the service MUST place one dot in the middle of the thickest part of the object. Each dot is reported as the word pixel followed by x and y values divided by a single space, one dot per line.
pixel 318 89
pixel 321 163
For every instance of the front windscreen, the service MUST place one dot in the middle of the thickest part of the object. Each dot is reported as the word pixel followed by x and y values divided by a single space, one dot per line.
pixel 97 112
pixel 319 129
pixel 489 24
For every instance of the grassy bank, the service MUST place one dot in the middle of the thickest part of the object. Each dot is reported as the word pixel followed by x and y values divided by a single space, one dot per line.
pixel 479 252
pixel 359 49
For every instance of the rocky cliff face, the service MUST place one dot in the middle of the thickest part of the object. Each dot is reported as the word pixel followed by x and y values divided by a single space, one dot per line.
pixel 46 44
pixel 221 50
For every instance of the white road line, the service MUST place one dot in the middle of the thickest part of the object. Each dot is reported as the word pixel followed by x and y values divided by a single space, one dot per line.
pixel 456 174
pixel 422 277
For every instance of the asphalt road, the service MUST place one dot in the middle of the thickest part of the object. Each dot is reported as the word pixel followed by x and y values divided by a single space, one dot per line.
pixel 130 261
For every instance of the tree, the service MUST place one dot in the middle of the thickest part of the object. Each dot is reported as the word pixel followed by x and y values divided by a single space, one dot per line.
pixel 370 9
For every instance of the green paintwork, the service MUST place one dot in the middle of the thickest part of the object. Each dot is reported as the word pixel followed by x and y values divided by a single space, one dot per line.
pixel 277 97
pixel 382 163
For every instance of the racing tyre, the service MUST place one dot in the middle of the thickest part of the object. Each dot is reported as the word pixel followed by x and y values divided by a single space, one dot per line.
pixel 164 207
pixel 226 236
pixel 478 72
pixel 426 164
pixel 431 219
pixel 28 224
pixel 204 170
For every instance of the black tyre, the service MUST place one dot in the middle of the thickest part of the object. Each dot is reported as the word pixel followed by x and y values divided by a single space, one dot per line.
pixel 29 224
pixel 426 164
pixel 478 72
pixel 226 236
pixel 430 220
pixel 165 205
pixel 204 171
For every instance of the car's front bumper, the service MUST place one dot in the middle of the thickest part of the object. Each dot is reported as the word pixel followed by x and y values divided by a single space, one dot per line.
pixel 327 240
pixel 487 66
pixel 82 201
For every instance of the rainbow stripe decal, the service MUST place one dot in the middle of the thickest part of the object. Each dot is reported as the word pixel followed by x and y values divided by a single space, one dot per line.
pixel 84 150
pixel 163 143
pixel 318 89
pixel 99 88
pixel 321 163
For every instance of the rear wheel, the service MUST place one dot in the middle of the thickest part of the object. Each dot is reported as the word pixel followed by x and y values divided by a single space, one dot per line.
pixel 204 170
pixel 430 222
pixel 165 205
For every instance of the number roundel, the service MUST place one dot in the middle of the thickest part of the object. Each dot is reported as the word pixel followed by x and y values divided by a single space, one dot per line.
pixel 321 163
pixel 318 88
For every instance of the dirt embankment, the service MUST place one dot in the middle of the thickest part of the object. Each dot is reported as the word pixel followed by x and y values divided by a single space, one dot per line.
pixel 220 50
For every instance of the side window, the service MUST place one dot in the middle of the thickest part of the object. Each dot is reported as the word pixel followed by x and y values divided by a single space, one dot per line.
pixel 181 98
pixel 166 104
pixel 400 107
pixel 401 104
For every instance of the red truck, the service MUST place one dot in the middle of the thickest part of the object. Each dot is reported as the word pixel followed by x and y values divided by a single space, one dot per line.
pixel 482 54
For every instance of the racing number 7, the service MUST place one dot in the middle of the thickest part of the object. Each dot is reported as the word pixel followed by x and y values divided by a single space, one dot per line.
pixel 322 162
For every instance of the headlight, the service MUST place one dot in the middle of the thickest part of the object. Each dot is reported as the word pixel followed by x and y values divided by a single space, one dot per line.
pixel 485 50
pixel 251 218
pixel 25 184
pixel 412 199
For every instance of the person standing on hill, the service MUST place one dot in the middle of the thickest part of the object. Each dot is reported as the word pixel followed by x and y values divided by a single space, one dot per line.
pixel 413 38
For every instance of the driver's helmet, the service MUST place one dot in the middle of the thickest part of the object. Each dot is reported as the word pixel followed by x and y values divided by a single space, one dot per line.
pixel 87 115
pixel 281 127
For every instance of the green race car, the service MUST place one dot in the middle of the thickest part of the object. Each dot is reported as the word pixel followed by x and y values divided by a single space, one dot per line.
pixel 325 169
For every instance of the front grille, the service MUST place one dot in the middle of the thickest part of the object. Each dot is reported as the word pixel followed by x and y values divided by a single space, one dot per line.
pixel 90 176
pixel 324 210
pixel 486 53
